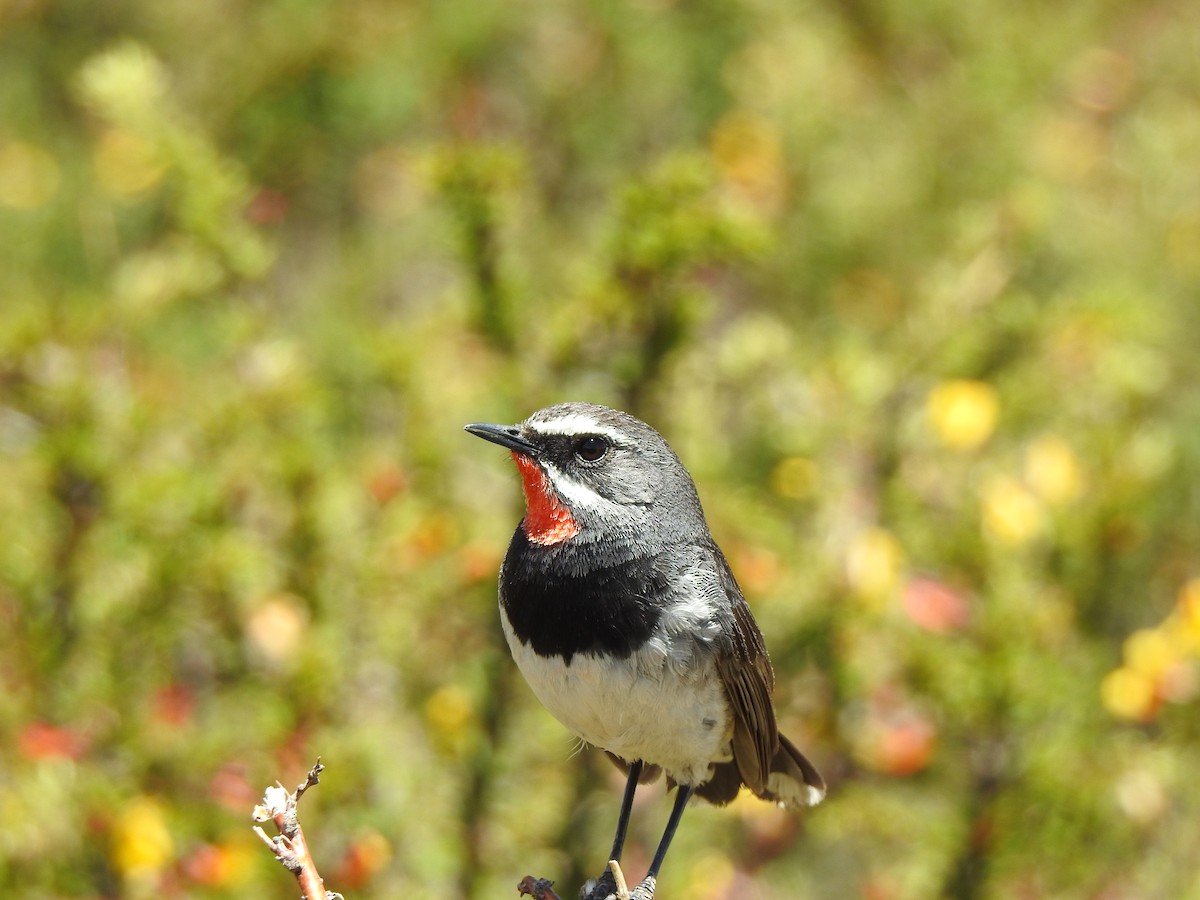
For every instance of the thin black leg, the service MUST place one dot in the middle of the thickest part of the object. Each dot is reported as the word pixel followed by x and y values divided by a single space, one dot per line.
pixel 605 886
pixel 635 772
pixel 682 795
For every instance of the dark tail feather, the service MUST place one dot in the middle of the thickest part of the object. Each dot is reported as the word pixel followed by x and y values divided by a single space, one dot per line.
pixel 793 781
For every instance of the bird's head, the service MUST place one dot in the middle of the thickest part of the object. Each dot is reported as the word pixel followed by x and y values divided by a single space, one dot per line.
pixel 594 474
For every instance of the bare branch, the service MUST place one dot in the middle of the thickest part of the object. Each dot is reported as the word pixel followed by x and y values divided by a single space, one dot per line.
pixel 290 846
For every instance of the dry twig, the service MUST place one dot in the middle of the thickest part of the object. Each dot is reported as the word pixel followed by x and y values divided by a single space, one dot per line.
pixel 537 888
pixel 289 846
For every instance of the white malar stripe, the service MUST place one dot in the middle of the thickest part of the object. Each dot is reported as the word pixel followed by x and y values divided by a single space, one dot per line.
pixel 578 495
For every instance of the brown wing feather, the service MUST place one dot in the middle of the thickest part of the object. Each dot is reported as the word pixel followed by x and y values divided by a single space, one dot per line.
pixel 748 678
pixel 763 759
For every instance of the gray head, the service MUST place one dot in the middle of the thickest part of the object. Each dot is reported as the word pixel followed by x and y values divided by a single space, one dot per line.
pixel 611 475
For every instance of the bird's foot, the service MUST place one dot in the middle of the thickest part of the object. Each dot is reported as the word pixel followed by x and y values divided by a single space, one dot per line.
pixel 602 888
pixel 645 890
pixel 612 886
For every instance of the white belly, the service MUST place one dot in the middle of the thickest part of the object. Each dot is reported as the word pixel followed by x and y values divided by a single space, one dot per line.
pixel 661 705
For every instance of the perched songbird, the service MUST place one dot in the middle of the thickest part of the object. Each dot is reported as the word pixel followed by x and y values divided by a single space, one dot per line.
pixel 624 617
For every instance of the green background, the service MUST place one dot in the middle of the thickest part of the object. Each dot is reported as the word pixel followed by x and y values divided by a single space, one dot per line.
pixel 910 285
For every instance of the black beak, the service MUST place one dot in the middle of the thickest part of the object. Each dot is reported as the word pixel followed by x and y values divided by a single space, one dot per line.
pixel 505 435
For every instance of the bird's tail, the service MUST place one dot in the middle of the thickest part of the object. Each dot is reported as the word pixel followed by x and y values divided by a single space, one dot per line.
pixel 793 781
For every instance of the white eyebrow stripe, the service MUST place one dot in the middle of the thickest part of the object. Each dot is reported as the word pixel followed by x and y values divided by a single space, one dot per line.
pixel 576 423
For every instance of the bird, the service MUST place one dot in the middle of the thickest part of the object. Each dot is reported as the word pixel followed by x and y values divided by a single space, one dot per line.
pixel 626 621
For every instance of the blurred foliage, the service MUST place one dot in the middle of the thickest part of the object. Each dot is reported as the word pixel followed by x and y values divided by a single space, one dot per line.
pixel 911 286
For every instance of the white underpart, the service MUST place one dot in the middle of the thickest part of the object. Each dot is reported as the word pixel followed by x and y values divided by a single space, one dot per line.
pixel 573 424
pixel 664 704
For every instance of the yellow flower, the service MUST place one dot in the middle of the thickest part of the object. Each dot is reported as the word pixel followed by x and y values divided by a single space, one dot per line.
pixel 963 412
pixel 142 845
pixel 1011 513
pixel 874 562
pixel 1129 694
pixel 449 710
pixel 795 477
pixel 127 164
pixel 276 629
pixel 1188 612
pixel 1052 470
pixel 1150 652
pixel 749 153
pixel 125 83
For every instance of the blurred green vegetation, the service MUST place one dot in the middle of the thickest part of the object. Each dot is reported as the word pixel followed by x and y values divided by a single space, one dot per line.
pixel 911 286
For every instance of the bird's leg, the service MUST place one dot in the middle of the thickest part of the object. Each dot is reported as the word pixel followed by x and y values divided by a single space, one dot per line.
pixel 635 772
pixel 645 890
pixel 606 885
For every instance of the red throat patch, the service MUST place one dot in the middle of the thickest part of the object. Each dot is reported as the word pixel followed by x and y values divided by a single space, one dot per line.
pixel 547 521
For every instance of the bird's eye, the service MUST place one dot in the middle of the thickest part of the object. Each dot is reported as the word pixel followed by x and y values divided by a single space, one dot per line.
pixel 591 448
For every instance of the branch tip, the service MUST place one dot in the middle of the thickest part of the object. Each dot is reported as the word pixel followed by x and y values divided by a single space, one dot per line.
pixel 537 888
pixel 289 846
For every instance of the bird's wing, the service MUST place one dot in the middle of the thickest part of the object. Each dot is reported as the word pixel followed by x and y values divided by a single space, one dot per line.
pixel 746 673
